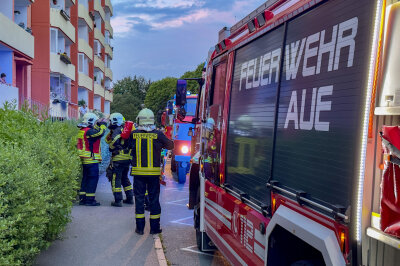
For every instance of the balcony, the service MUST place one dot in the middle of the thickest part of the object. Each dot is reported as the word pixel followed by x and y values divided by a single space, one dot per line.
pixel 109 50
pixel 8 94
pixel 109 28
pixel 58 66
pixel 109 5
pixel 98 63
pixel 108 96
pixel 108 73
pixel 85 81
pixel 99 8
pixel 84 47
pixel 98 90
pixel 16 37
pixel 99 36
pixel 84 13
pixel 58 21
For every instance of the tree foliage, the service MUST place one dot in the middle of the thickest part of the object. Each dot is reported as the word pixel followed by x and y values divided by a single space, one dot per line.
pixel 193 86
pixel 39 170
pixel 159 93
pixel 129 95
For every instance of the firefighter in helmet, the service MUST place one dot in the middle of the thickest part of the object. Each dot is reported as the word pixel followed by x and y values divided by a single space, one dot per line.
pixel 212 156
pixel 120 159
pixel 90 133
pixel 146 145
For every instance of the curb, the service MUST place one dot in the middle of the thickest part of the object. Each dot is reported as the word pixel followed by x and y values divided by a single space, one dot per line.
pixel 162 261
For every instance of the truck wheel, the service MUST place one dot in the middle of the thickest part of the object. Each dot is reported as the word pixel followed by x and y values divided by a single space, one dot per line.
pixel 181 175
pixel 198 240
pixel 173 164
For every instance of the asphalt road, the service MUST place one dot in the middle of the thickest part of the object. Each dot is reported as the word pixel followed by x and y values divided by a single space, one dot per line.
pixel 178 235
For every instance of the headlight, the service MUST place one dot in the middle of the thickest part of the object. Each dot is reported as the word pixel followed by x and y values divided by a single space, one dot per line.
pixel 185 149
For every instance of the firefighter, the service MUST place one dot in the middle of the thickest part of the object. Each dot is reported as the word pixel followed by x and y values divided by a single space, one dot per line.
pixel 212 157
pixel 146 145
pixel 89 137
pixel 120 160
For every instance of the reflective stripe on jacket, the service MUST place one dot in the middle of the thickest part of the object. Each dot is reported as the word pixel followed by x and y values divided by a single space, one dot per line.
pixel 146 151
pixel 119 147
pixel 89 150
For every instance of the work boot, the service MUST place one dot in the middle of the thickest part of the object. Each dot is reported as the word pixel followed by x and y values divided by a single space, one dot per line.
pixel 116 204
pixel 155 226
pixel 128 201
pixel 82 202
pixel 92 203
pixel 139 232
pixel 155 231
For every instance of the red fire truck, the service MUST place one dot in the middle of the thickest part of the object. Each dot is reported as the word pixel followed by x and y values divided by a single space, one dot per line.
pixel 292 92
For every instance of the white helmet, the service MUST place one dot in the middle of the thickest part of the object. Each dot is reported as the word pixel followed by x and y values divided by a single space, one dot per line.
pixel 116 119
pixel 210 123
pixel 145 117
pixel 90 119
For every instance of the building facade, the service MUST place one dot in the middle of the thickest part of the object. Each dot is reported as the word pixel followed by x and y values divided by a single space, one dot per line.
pixel 16 49
pixel 73 54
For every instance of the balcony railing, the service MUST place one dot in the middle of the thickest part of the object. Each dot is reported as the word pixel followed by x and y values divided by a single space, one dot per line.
pixel 60 94
pixel 8 94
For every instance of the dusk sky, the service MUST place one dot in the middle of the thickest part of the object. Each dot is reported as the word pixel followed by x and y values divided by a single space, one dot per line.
pixel 160 38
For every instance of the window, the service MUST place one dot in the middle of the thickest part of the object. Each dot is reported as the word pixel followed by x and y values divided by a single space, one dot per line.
pixel 97 47
pixel 81 60
pixel 83 63
pixel 83 32
pixel 53 40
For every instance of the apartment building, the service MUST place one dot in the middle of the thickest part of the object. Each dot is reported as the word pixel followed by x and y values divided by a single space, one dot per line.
pixel 73 53
pixel 16 49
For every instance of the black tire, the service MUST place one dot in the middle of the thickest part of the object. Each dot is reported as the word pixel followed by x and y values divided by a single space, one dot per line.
pixel 198 240
pixel 173 164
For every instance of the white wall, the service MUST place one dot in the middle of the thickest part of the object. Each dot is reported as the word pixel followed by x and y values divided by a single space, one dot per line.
pixel 6 64
pixel 6 7
pixel 84 3
pixel 23 16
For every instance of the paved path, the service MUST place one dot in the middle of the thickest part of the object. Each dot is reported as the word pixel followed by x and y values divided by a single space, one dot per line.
pixel 105 235
pixel 100 236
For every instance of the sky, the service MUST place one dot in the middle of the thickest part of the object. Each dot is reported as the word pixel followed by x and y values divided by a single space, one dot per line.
pixel 161 38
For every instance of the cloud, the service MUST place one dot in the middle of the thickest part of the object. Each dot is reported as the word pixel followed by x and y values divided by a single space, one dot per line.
pixel 145 15
pixel 160 4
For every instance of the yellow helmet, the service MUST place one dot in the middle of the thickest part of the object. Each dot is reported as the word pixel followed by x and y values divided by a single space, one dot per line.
pixel 145 117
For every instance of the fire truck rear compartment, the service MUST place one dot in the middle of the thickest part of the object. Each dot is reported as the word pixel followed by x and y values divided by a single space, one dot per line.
pixel 287 249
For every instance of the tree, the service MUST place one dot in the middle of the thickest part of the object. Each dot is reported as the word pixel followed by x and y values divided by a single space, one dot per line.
pixel 158 95
pixel 193 86
pixel 129 95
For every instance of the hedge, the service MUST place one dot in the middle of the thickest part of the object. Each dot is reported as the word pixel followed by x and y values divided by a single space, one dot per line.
pixel 39 171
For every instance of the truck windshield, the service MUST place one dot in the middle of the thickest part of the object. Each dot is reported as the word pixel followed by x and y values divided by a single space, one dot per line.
pixel 190 107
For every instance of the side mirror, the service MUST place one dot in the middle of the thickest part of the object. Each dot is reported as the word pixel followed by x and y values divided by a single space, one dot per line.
pixel 190 133
pixel 181 89
pixel 170 107
pixel 181 113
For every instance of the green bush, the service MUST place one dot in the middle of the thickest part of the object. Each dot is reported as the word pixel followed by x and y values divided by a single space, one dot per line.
pixel 39 171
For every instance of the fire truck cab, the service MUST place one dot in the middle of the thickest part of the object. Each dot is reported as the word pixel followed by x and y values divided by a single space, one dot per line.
pixel 295 91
